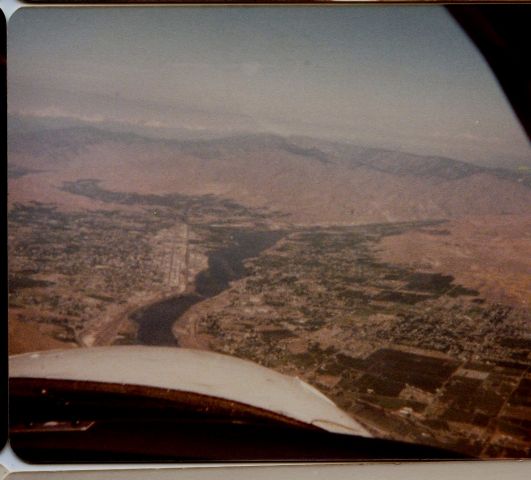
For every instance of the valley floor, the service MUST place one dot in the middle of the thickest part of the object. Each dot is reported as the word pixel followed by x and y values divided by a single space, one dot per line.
pixel 410 342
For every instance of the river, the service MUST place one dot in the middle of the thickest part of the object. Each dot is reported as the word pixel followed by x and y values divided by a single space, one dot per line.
pixel 225 265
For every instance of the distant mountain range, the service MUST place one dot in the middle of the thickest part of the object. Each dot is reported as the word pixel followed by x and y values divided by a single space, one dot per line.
pixel 310 180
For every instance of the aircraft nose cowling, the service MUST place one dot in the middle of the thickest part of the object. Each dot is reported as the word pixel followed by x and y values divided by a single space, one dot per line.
pixel 195 371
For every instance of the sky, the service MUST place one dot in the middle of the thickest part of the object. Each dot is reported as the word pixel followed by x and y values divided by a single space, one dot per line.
pixel 404 78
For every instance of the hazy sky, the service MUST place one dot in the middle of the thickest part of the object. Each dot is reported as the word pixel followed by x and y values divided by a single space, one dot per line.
pixel 398 77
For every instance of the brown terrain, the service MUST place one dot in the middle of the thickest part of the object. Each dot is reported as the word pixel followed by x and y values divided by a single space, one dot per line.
pixel 395 283
pixel 491 254
pixel 302 183
pixel 27 336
